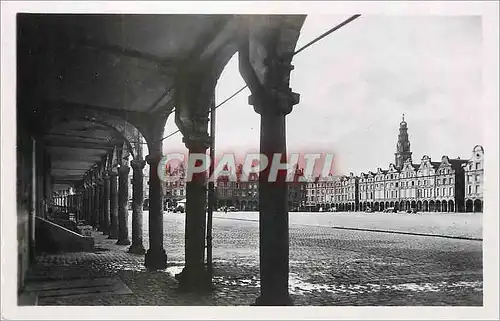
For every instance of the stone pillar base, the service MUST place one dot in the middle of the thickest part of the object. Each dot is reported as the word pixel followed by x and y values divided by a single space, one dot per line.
pixel 275 300
pixel 194 280
pixel 155 259
pixel 112 236
pixel 123 242
pixel 136 249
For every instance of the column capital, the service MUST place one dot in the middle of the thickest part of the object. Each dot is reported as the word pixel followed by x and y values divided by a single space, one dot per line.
pixel 123 169
pixel 138 164
pixel 153 159
pixel 268 75
pixel 274 101
pixel 197 141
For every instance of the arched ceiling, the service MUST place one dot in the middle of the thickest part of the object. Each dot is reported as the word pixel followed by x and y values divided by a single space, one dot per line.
pixel 76 146
pixel 122 66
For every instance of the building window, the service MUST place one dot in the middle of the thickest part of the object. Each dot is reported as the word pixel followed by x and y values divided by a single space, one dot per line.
pixel 444 192
pixel 412 183
pixel 396 184
pixel 437 192
pixel 470 189
pixel 477 178
pixel 477 189
pixel 444 181
pixel 478 166
pixel 451 190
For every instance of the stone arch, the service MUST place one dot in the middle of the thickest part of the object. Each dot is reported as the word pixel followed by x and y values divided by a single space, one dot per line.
pixel 59 114
pixel 426 206
pixel 451 206
pixel 469 204
pixel 478 205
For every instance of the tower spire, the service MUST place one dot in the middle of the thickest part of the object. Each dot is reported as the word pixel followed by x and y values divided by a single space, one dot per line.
pixel 403 146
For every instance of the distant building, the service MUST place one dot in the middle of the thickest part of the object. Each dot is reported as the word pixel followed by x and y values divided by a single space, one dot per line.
pixel 297 191
pixel 175 190
pixel 243 195
pixel 474 177
pixel 451 185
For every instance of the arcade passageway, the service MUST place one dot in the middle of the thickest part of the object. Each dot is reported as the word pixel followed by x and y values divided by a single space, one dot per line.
pixel 93 90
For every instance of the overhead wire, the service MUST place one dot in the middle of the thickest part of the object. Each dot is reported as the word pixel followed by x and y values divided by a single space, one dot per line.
pixel 310 43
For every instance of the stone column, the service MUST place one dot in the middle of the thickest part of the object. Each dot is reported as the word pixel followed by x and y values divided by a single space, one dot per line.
pixel 84 205
pixel 156 258
pixel 113 207
pixel 96 205
pixel 123 238
pixel 87 205
pixel 273 216
pixel 194 275
pixel 91 205
pixel 267 74
pixel 100 193
pixel 106 203
pixel 137 246
pixel 65 200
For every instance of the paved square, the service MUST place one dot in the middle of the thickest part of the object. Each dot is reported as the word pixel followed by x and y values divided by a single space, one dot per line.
pixel 328 266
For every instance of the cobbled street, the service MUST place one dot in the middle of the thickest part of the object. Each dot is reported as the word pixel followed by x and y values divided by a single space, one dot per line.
pixel 336 259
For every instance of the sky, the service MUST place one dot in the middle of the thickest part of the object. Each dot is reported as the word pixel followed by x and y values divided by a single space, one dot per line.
pixel 355 85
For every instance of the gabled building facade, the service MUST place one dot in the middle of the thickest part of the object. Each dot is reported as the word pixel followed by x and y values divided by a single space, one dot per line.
pixel 473 180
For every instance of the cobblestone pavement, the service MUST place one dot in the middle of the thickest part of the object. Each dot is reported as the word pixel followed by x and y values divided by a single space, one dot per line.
pixel 327 267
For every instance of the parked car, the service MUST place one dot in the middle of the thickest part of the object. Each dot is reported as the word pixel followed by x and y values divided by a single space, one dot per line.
pixel 232 209
pixel 390 210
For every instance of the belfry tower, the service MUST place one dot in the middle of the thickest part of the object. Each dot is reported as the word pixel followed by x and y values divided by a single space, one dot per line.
pixel 403 146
